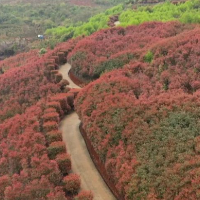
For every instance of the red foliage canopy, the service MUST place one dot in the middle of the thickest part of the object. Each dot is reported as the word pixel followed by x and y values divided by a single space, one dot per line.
pixel 143 119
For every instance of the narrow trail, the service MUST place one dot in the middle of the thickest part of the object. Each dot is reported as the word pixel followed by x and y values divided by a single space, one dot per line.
pixel 82 163
pixel 64 70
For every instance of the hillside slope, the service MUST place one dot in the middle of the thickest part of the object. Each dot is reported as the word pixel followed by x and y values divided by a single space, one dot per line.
pixel 141 115
pixel 109 49
pixel 34 163
pixel 143 119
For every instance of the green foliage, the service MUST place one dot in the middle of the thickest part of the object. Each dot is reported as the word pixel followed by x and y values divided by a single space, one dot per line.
pixel 148 57
pixel 27 19
pixel 171 142
pixel 56 148
pixel 42 51
pixel 53 136
pixel 64 162
pixel 187 12
pixel 112 64
pixel 95 23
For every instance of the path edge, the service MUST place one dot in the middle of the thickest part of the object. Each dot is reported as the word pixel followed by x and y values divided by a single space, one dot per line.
pixel 98 164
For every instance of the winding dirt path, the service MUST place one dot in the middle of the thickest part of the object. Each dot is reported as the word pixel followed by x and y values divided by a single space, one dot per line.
pixel 82 163
pixel 64 70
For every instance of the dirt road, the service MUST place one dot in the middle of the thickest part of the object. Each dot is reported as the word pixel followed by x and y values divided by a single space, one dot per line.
pixel 81 160
pixel 64 70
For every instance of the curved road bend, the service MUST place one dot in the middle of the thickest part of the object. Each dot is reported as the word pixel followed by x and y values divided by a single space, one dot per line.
pixel 64 70
pixel 82 163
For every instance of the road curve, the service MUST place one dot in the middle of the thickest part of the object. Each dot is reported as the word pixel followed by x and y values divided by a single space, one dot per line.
pixel 82 163
pixel 64 70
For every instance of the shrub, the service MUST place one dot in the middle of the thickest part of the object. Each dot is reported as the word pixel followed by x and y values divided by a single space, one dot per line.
pixel 61 56
pixel 58 194
pixel 36 126
pixel 55 148
pixel 55 105
pixel 50 67
pixel 63 83
pixel 49 110
pixel 148 57
pixel 64 162
pixel 84 195
pixel 42 51
pixel 52 116
pixel 63 99
pixel 58 77
pixel 4 182
pixel 72 183
pixel 50 126
pixel 54 72
pixel 53 136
